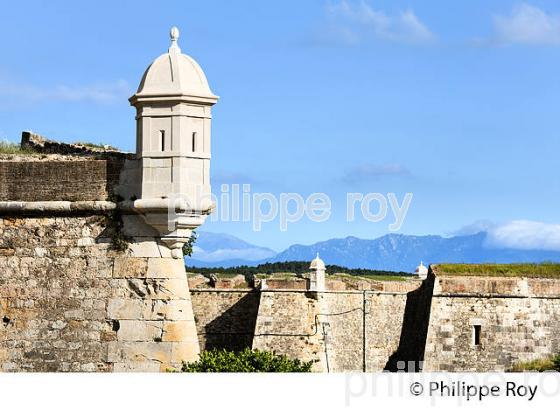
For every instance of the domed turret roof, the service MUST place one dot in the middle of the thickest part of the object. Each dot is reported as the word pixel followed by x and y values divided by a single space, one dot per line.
pixel 317 263
pixel 174 74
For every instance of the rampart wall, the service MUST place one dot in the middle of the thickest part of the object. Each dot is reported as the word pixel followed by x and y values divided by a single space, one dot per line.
pixel 70 300
pixel 518 319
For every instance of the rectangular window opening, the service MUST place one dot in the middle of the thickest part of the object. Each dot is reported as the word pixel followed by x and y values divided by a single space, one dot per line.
pixel 476 335
pixel 194 142
pixel 162 134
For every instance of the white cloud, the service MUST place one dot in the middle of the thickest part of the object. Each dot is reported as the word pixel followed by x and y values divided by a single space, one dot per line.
pixel 249 254
pixel 97 93
pixel 526 235
pixel 528 24
pixel 354 22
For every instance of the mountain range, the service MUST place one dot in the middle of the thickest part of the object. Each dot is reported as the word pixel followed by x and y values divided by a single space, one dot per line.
pixel 394 252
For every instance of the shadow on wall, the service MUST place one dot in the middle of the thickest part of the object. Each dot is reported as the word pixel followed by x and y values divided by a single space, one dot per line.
pixel 410 354
pixel 235 328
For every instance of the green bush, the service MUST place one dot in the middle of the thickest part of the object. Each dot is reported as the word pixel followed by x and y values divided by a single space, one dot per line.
pixel 539 365
pixel 188 247
pixel 556 362
pixel 223 361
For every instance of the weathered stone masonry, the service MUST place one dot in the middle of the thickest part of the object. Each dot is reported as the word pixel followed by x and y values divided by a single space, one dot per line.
pixel 70 303
pixel 518 319
pixel 431 325
pixel 225 319
pixel 92 176
pixel 293 322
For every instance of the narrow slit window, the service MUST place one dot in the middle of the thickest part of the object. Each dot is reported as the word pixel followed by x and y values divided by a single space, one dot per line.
pixel 194 142
pixel 162 135
pixel 476 334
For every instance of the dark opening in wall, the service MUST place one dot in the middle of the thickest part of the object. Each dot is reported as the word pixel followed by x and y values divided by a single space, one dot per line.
pixel 162 134
pixel 6 320
pixel 476 334
pixel 116 325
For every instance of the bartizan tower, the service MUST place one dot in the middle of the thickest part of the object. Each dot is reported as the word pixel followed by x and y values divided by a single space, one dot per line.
pixel 173 115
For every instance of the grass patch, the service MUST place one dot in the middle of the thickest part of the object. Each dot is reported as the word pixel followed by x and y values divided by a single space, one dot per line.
pixel 7 147
pixel 221 275
pixel 339 276
pixel 279 275
pixel 382 278
pixel 530 270
pixel 539 365
pixel 95 146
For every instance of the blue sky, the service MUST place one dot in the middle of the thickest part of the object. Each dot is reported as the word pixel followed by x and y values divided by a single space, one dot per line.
pixel 456 103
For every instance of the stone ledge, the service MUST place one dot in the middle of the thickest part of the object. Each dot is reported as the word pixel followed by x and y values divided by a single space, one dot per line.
pixel 55 207
pixel 492 296
pixel 497 287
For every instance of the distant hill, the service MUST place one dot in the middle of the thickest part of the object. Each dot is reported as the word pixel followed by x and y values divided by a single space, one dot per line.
pixel 403 252
pixel 219 249
pixel 393 252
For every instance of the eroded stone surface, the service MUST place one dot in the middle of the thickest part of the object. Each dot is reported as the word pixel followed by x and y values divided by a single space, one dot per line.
pixel 70 303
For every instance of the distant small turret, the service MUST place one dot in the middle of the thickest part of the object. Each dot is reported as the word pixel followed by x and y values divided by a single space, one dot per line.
pixel 421 271
pixel 317 275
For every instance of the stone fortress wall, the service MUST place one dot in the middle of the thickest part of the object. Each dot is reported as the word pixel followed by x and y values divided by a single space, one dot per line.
pixel 75 295
pixel 53 175
pixel 433 323
pixel 71 300
pixel 70 303
pixel 328 327
pixel 518 320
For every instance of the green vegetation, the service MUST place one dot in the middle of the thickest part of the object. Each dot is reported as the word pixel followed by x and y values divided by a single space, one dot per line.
pixel 227 275
pixel 96 146
pixel 119 242
pixel 295 267
pixel 531 270
pixel 278 275
pixel 7 147
pixel 222 361
pixel 540 365
pixel 344 276
pixel 188 247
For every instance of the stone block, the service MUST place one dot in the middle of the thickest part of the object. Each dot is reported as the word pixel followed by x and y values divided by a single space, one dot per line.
pixel 41 252
pixel 86 242
pixel 141 367
pixel 166 268
pixel 125 308
pixel 144 249
pixel 180 309
pixel 164 289
pixel 129 267
pixel 140 330
pixel 120 352
pixel 184 352
pixel 179 331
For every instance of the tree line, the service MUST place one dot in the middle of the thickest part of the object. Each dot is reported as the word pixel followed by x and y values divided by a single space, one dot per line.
pixel 296 267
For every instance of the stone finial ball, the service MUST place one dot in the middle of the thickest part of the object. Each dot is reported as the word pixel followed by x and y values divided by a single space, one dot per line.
pixel 174 33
